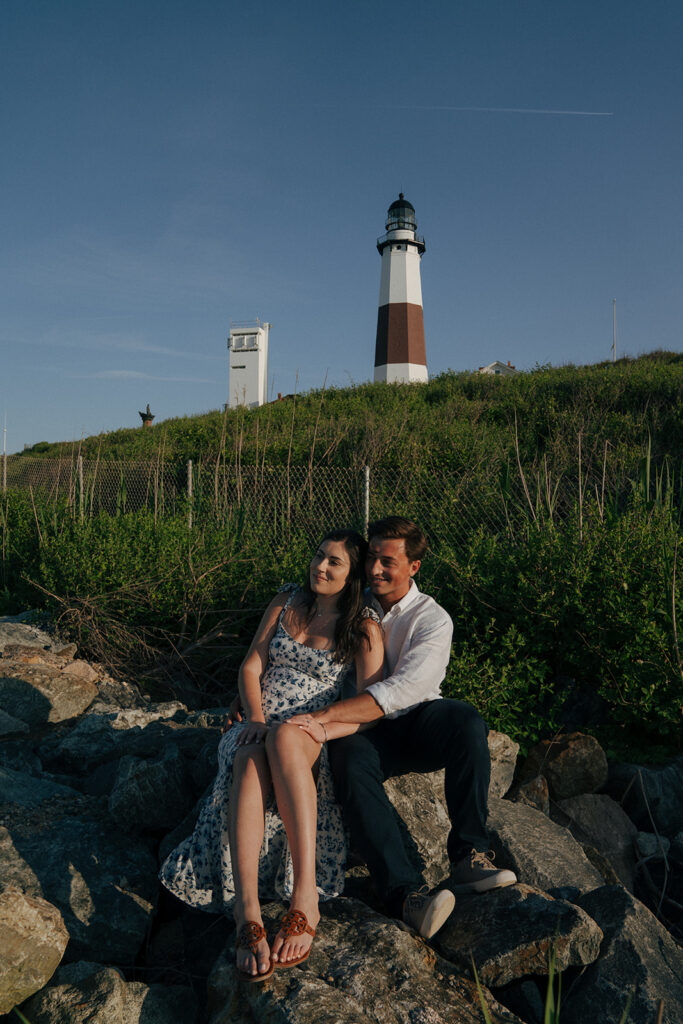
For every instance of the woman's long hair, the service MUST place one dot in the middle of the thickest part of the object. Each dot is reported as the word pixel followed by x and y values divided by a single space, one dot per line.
pixel 348 635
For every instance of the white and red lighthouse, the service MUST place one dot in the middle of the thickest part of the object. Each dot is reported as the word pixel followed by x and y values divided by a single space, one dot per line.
pixel 400 349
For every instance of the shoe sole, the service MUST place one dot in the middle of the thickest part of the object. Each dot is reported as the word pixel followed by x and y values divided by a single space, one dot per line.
pixel 485 885
pixel 439 911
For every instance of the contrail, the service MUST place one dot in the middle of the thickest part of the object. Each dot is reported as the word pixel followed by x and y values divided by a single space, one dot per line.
pixel 499 110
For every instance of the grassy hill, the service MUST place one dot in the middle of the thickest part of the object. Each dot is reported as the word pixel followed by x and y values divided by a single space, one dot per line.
pixel 622 403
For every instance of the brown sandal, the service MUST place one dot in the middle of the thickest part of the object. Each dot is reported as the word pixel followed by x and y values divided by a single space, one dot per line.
pixel 250 934
pixel 293 923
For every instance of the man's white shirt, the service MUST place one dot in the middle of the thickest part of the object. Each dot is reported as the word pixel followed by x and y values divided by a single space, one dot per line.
pixel 417 645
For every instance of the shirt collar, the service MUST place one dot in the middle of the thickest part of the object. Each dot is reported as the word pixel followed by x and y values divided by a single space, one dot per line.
pixel 406 600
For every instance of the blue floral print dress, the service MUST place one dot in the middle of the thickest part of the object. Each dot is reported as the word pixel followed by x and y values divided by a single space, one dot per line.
pixel 298 679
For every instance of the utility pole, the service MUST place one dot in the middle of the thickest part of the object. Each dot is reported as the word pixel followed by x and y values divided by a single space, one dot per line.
pixel 614 330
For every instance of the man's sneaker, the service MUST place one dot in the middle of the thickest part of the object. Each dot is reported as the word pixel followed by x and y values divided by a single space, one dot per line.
pixel 426 912
pixel 477 873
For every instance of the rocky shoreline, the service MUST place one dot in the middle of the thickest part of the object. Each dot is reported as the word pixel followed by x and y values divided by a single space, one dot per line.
pixel 97 784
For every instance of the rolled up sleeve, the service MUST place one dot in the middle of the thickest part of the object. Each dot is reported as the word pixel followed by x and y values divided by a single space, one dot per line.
pixel 420 669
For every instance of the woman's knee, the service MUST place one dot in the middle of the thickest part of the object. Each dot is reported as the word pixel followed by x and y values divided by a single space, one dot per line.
pixel 283 738
pixel 249 758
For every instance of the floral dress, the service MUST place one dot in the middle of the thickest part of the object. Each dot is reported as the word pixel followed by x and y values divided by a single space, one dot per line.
pixel 298 679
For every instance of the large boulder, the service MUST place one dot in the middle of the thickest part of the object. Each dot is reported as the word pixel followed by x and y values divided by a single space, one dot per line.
pixel 32 942
pixel 423 821
pixel 36 692
pixel 534 793
pixel 362 967
pixel 572 764
pixel 596 819
pixel 650 796
pixel 103 882
pixel 107 735
pixel 637 953
pixel 542 854
pixel 511 932
pixel 20 629
pixel 154 794
pixel 88 993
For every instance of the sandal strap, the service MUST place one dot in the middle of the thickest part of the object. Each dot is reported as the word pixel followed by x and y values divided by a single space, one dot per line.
pixel 295 922
pixel 250 934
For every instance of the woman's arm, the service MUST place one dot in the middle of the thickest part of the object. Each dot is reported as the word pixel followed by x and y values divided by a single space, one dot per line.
pixel 253 667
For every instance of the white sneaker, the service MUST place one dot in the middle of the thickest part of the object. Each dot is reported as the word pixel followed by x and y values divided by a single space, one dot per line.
pixel 476 872
pixel 426 912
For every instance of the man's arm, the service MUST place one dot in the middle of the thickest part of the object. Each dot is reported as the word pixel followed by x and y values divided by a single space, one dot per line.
pixel 420 669
pixel 353 711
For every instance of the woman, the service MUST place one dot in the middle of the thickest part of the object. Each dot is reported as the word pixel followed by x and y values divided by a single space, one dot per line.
pixel 306 644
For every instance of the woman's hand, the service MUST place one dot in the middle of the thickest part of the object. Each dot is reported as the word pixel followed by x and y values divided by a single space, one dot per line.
pixel 313 726
pixel 234 714
pixel 253 732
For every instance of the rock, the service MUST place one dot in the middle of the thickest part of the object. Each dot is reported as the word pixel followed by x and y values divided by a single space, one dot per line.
pixel 17 629
pixel 17 755
pixel 39 693
pixel 153 794
pixel 572 764
pixel 103 883
pixel 541 853
pixel 32 942
pixel 596 819
pixel 10 726
pixel 677 848
pixel 637 950
pixel 28 792
pixel 510 934
pixel 421 811
pixel 503 752
pixel 533 793
pixel 100 737
pixel 363 968
pixel 81 670
pixel 87 993
pixel 650 796
pixel 651 846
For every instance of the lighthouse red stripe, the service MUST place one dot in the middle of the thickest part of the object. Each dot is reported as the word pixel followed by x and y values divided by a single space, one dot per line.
pixel 400 334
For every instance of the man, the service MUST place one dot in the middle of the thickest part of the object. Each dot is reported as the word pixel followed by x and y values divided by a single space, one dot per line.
pixel 418 732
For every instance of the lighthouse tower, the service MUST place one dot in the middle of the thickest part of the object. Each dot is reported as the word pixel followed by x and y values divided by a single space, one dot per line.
pixel 400 349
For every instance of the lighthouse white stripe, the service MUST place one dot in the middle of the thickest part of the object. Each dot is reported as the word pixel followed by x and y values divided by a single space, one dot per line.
pixel 401 373
pixel 400 280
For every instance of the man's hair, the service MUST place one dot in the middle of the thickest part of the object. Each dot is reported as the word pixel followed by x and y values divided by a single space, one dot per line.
pixel 398 528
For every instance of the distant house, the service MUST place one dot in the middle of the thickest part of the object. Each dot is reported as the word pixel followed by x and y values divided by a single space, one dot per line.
pixel 501 369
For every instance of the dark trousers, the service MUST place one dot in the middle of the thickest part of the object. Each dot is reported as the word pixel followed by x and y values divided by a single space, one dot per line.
pixel 437 734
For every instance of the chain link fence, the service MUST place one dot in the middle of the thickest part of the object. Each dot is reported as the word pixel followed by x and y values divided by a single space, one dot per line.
pixel 449 506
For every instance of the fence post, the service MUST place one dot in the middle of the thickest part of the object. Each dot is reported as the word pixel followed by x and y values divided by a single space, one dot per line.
pixel 366 499
pixel 189 493
pixel 79 469
pixel 4 472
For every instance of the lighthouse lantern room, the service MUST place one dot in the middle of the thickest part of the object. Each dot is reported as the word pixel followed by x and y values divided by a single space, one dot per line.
pixel 400 355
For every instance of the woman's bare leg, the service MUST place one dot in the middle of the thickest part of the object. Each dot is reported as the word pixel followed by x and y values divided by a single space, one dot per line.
pixel 251 785
pixel 292 755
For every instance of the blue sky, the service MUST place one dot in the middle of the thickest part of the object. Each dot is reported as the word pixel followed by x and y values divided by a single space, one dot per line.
pixel 168 167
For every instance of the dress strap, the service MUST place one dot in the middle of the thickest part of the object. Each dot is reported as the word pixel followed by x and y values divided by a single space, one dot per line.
pixel 288 588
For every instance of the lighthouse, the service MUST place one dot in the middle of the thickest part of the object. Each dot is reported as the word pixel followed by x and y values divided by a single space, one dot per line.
pixel 400 355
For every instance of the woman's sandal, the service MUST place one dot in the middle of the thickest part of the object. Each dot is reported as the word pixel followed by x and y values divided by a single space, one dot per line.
pixel 250 934
pixel 295 923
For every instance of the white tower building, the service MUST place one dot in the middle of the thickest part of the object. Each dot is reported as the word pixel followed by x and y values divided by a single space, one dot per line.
pixel 248 349
pixel 400 349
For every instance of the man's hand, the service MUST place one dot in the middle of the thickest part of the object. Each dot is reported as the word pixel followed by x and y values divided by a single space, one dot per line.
pixel 234 714
pixel 311 724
